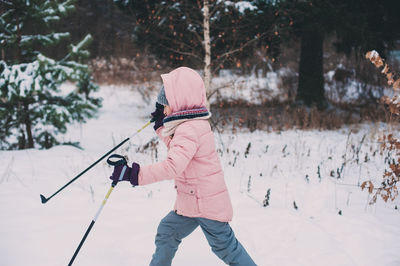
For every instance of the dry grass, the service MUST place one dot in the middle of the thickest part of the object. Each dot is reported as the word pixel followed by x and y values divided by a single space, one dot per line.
pixel 285 116
pixel 119 70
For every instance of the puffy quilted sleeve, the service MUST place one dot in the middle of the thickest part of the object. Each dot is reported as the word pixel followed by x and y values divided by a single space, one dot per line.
pixel 165 139
pixel 182 148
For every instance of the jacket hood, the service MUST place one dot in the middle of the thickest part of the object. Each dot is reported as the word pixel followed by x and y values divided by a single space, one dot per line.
pixel 184 89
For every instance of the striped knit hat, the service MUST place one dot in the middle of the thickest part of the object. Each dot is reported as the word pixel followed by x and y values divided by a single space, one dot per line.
pixel 161 98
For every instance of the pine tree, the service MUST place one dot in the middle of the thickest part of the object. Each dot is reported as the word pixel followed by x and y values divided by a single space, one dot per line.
pixel 33 108
pixel 310 22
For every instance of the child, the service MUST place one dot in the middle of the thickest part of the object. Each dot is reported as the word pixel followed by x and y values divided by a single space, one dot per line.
pixel 202 197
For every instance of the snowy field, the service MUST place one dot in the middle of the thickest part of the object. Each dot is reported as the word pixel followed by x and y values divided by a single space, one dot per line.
pixel 301 226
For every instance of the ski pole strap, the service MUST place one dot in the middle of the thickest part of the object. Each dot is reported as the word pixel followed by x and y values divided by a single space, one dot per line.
pixel 116 160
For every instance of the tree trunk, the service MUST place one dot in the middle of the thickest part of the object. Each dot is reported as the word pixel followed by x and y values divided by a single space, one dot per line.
pixel 207 47
pixel 22 140
pixel 19 37
pixel 310 90
pixel 28 126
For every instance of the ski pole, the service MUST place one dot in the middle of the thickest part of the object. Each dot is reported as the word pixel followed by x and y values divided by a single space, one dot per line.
pixel 44 199
pixel 113 184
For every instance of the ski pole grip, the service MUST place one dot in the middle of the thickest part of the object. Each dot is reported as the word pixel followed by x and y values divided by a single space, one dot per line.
pixel 120 160
pixel 121 176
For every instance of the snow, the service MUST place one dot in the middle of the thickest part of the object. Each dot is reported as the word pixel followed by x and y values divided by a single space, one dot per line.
pixel 20 77
pixel 23 78
pixel 285 162
pixel 241 6
pixel 61 8
pixel 374 54
pixel 44 39
pixel 248 88
pixel 351 90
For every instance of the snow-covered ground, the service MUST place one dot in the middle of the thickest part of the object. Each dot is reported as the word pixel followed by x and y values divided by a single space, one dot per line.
pixel 299 167
pixel 228 86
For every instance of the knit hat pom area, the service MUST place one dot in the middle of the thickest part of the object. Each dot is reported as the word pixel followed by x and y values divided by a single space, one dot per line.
pixel 161 98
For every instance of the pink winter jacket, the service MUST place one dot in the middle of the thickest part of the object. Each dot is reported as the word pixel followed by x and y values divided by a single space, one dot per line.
pixel 192 159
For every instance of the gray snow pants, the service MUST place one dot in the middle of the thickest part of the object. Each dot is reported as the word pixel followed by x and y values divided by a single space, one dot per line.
pixel 173 228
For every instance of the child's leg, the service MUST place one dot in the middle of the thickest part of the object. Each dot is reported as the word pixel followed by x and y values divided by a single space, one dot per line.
pixel 172 229
pixel 224 243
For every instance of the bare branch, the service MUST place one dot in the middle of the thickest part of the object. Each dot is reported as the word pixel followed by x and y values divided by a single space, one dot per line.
pixel 193 31
pixel 183 53
pixel 188 46
pixel 241 47
pixel 215 8
pixel 226 85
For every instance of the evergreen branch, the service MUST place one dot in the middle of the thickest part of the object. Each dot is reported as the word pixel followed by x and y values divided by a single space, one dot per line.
pixel 9 3
pixel 45 40
pixel 77 50
pixel 82 44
